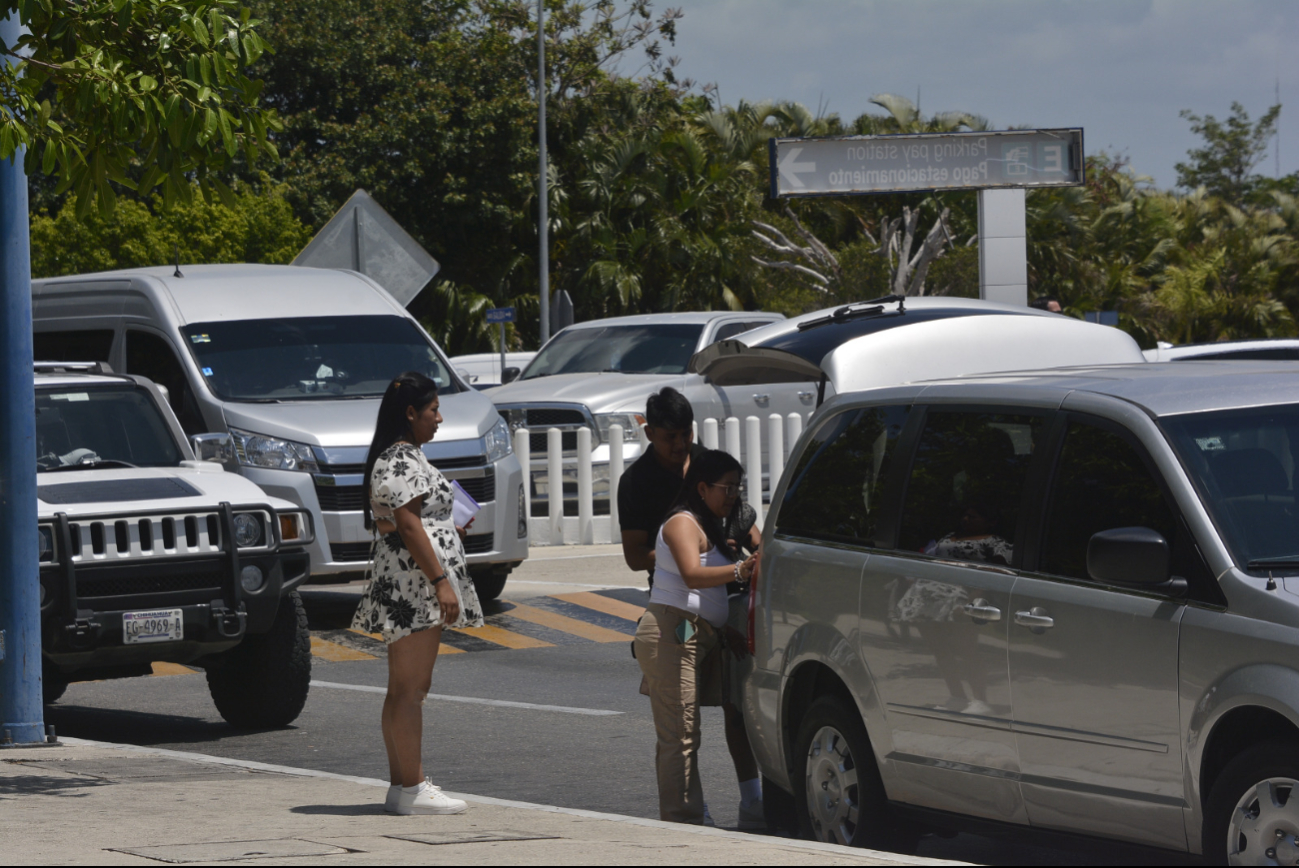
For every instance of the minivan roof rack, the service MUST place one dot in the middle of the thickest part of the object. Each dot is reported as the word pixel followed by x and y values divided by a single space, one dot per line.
pixel 856 310
pixel 72 368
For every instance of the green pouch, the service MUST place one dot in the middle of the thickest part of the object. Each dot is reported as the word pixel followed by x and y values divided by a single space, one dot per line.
pixel 685 632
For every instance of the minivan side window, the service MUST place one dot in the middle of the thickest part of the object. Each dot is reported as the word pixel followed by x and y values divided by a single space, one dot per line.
pixel 836 490
pixel 1100 483
pixel 88 345
pixel 967 484
pixel 149 355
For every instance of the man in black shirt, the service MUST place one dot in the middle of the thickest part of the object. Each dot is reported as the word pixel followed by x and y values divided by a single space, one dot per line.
pixel 645 493
pixel 648 488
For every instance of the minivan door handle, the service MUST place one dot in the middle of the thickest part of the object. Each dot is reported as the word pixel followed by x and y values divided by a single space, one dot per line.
pixel 981 611
pixel 806 396
pixel 762 399
pixel 1035 619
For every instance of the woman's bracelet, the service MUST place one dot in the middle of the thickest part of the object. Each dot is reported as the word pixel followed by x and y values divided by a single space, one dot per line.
pixel 433 581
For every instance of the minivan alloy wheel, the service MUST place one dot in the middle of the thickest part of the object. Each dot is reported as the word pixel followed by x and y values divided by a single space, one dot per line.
pixel 832 787
pixel 1264 828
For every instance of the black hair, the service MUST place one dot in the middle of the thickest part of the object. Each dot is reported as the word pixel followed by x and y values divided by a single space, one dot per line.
pixel 668 408
pixel 409 389
pixel 710 466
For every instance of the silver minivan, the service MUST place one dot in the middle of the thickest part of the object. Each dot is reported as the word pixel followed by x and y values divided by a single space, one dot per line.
pixel 291 362
pixel 1066 600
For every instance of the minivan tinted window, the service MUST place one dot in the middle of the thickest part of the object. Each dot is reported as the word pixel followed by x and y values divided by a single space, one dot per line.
pixel 84 345
pixel 1243 463
pixel 312 358
pixel 1100 483
pixel 966 485
pixel 836 490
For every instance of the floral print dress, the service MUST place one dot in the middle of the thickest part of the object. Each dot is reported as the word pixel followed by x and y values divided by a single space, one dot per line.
pixel 399 599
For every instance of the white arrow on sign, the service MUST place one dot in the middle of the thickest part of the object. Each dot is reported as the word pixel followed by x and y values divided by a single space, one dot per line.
pixel 789 169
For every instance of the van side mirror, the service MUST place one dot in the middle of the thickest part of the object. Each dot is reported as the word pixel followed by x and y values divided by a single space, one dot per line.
pixel 1128 556
pixel 509 375
pixel 213 447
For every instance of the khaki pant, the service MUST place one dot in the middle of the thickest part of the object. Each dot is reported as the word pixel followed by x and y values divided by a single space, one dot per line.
pixel 680 676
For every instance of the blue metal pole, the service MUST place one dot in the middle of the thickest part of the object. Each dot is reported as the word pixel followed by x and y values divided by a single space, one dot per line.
pixel 21 706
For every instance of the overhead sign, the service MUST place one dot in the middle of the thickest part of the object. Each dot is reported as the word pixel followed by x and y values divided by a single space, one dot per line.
pixel 363 237
pixel 853 165
pixel 500 314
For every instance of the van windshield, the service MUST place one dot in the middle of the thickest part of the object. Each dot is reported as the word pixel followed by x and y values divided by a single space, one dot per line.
pixel 312 358
pixel 625 349
pixel 1243 463
pixel 84 427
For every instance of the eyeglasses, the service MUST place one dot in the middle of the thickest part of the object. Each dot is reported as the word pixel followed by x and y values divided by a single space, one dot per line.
pixel 731 490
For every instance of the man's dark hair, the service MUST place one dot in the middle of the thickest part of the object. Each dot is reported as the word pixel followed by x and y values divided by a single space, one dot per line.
pixel 669 409
pixel 1043 302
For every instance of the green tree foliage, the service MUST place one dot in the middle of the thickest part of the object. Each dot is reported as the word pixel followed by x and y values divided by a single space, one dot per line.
pixel 1232 149
pixel 259 228
pixel 104 83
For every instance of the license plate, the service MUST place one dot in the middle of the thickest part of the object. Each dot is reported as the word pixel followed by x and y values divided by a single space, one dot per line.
pixel 157 625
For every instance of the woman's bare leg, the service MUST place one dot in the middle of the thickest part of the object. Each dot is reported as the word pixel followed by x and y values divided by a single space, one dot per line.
pixel 410 673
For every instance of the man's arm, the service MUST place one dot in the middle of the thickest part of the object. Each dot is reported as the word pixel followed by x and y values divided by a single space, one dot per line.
pixel 637 550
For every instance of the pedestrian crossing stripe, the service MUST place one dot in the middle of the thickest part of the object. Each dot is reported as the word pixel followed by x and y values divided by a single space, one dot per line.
pixel 543 622
pixel 334 652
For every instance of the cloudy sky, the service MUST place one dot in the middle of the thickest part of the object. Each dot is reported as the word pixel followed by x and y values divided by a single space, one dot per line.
pixel 1121 69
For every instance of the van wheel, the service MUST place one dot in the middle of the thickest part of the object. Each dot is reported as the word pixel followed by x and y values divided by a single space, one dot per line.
pixel 841 799
pixel 1252 813
pixel 262 682
pixel 488 582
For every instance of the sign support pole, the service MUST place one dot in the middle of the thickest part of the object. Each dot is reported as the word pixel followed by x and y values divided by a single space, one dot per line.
pixel 1003 247
pixel 543 217
pixel 21 702
pixel 502 328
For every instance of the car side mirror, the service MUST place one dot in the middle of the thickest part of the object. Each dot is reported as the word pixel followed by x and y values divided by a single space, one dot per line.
pixel 213 447
pixel 1128 556
pixel 509 375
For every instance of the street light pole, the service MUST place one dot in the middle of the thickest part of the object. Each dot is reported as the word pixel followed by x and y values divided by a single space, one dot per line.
pixel 21 705
pixel 543 218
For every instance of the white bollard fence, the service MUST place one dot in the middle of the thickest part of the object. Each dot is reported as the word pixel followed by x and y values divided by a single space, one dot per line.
pixel 762 449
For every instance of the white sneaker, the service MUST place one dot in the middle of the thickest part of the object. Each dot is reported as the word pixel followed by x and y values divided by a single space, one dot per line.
pixel 752 818
pixel 977 707
pixel 428 799
pixel 390 803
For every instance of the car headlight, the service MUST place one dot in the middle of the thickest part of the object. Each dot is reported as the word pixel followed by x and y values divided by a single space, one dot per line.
pixel 630 422
pixel 295 527
pixel 45 544
pixel 497 441
pixel 248 530
pixel 258 450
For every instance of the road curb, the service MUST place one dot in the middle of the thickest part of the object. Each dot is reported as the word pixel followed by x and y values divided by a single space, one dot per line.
pixel 811 846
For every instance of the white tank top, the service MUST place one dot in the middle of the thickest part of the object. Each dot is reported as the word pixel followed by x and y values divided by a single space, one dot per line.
pixel 671 590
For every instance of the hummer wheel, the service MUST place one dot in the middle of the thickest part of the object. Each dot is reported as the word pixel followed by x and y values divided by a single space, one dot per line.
pixel 263 681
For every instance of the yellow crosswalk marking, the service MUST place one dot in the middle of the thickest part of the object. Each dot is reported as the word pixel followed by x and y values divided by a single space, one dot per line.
pixel 334 652
pixel 171 669
pixel 601 603
pixel 566 624
pixel 500 636
pixel 378 637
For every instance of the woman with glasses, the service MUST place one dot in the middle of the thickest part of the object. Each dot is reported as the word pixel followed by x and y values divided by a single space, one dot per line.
pixel 680 642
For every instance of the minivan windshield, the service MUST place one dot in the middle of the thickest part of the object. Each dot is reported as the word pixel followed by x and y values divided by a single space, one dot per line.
pixel 626 349
pixel 1243 464
pixel 84 427
pixel 312 358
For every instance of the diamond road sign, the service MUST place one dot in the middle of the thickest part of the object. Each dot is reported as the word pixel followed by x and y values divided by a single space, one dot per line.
pixel 852 165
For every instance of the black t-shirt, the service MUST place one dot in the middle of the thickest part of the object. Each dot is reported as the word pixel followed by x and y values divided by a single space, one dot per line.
pixel 646 492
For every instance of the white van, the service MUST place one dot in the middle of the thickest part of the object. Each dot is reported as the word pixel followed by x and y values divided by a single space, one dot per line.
pixel 291 362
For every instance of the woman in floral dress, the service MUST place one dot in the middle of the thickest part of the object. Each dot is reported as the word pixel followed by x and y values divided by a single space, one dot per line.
pixel 420 582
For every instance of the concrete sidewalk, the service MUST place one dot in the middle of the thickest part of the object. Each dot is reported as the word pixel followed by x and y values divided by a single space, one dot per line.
pixel 90 802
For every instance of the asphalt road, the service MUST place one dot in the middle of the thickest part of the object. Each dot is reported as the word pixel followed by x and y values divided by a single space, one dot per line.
pixel 558 639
